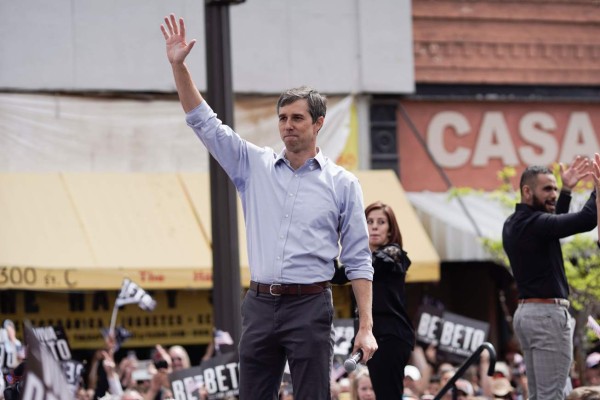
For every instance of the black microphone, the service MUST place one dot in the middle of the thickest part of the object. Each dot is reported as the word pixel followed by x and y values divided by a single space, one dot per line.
pixel 350 363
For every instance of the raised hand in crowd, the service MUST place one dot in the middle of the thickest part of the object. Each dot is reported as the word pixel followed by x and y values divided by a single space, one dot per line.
pixel 126 367
pixel 163 354
pixel 110 367
pixel 159 386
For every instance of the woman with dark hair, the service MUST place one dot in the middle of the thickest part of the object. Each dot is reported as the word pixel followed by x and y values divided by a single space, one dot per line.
pixel 391 325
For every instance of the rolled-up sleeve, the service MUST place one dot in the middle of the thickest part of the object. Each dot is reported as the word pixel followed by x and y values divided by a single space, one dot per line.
pixel 355 254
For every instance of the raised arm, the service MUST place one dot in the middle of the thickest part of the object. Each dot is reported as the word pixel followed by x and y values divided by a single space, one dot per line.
pixel 177 50
pixel 572 174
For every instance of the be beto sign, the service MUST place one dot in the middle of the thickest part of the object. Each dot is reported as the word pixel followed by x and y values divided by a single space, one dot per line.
pixel 219 377
pixel 455 335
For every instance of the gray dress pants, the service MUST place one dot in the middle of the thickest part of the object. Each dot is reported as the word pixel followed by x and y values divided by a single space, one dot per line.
pixel 293 327
pixel 544 331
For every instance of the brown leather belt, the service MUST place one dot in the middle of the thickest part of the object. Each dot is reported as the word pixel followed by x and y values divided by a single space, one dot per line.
pixel 560 302
pixel 278 289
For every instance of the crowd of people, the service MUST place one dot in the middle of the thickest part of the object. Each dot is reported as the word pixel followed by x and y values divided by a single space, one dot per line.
pixel 301 210
pixel 133 379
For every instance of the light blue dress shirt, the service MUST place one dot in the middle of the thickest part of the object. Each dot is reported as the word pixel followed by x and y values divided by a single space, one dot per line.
pixel 296 220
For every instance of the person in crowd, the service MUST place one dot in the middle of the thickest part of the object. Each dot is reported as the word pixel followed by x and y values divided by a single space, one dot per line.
pixel 425 360
pixel 95 375
pixel 531 238
pixel 179 358
pixel 592 369
pixel 131 394
pixel 112 376
pixel 464 389
pixel 392 327
pixel 433 385
pixel 127 366
pixel 15 382
pixel 160 387
pixel 299 207
pixel 14 351
pixel 446 371
pixel 501 388
pixel 2 384
pixel 84 393
pixel 362 389
pixel 412 380
pixel 585 393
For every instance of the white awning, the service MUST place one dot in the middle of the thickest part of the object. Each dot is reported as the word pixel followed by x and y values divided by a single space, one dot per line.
pixel 456 231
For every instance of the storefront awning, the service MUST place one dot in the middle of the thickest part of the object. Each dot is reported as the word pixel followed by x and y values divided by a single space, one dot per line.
pixel 457 231
pixel 88 231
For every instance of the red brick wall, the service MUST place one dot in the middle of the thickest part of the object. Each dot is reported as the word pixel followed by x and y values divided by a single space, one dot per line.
pixel 500 41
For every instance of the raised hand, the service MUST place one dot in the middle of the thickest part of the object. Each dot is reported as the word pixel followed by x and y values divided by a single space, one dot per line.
pixel 177 47
pixel 572 174
pixel 596 172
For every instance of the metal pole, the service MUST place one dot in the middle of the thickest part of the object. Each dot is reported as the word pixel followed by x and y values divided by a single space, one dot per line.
pixel 226 260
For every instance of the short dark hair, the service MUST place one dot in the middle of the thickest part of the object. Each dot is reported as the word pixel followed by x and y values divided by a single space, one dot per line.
pixel 530 174
pixel 317 103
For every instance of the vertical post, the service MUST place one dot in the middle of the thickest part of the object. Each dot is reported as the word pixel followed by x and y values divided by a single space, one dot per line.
pixel 226 261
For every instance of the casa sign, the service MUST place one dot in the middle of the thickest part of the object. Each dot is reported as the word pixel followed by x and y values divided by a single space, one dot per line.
pixel 537 130
pixel 470 142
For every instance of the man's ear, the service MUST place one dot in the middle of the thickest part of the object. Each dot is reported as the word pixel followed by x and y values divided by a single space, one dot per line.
pixel 319 123
pixel 526 193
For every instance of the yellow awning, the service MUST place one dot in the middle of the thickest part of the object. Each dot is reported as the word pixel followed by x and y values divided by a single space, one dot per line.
pixel 87 231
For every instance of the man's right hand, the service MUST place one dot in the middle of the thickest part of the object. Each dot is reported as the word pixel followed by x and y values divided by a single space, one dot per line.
pixel 571 175
pixel 177 47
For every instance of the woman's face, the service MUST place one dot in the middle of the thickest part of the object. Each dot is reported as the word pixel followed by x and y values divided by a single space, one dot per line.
pixel 176 361
pixel 379 228
pixel 365 389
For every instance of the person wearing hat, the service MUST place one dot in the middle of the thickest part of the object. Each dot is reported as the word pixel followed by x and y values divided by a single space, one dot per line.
pixel 464 389
pixel 531 238
pixel 501 388
pixel 412 379
pixel 592 369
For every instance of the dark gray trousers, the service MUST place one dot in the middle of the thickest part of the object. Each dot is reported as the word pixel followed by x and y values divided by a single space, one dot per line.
pixel 296 328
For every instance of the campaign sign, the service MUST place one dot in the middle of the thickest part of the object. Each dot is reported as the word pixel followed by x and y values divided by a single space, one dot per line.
pixel 72 370
pixel 55 339
pixel 430 319
pixel 44 378
pixel 456 336
pixel 219 377
pixel 9 354
pixel 343 331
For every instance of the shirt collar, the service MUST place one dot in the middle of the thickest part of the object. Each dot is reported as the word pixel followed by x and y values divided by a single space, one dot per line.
pixel 319 158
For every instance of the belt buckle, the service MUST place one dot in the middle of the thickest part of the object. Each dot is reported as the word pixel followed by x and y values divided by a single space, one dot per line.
pixel 271 289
